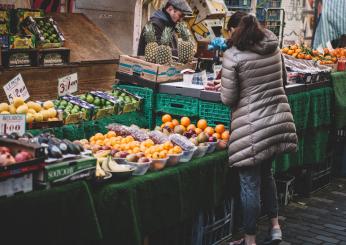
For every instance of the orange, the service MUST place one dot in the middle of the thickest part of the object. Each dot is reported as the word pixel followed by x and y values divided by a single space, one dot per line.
pixel 295 55
pixel 185 121
pixel 315 52
pixel 225 135
pixel 175 122
pixel 326 51
pixel 220 128
pixel 298 50
pixel 198 131
pixel 202 124
pixel 209 131
pixel 111 134
pixel 217 135
pixel 191 126
pixel 285 50
pixel 99 142
pixel 290 52
pixel 99 136
pixel 301 56
pixel 294 47
pixel 308 57
pixel 166 118
pixel 162 125
pixel 169 124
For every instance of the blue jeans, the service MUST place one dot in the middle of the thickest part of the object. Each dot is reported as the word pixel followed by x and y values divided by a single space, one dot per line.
pixel 255 182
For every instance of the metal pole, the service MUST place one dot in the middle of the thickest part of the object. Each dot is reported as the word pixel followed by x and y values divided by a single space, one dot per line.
pixel 253 6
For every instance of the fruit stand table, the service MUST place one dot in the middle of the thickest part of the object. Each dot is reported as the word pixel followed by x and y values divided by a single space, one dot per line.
pixel 62 215
pixel 128 211
pixel 125 212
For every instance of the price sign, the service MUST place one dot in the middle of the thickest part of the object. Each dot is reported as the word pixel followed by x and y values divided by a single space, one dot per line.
pixel 16 88
pixel 10 123
pixel 68 84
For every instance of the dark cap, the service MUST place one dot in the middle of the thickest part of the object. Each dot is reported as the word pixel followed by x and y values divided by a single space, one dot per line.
pixel 181 5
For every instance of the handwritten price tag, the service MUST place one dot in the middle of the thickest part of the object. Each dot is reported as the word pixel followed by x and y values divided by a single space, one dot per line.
pixel 16 88
pixel 68 84
pixel 10 123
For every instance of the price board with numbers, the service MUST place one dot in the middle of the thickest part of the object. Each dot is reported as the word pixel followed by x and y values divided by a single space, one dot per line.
pixel 68 84
pixel 16 88
pixel 12 123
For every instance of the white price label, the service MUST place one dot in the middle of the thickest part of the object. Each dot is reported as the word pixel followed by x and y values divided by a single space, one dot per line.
pixel 68 84
pixel 10 123
pixel 16 88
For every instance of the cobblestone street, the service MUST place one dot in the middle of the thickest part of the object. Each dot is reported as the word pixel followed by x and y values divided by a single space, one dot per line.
pixel 320 219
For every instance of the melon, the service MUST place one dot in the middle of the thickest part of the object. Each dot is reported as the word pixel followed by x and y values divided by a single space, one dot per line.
pixel 38 117
pixel 18 101
pixel 22 109
pixel 12 109
pixel 48 104
pixel 4 107
pixel 30 118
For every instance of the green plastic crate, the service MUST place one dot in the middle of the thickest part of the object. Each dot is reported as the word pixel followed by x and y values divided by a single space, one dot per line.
pixel 177 104
pixel 300 107
pixel 214 113
pixel 146 93
pixel 320 107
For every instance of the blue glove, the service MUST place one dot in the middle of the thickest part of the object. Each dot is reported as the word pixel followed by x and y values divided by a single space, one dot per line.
pixel 218 43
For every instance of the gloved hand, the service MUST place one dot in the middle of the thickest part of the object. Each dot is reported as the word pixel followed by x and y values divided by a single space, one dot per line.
pixel 218 43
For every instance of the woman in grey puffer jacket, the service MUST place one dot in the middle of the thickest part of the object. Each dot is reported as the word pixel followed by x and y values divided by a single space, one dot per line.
pixel 262 125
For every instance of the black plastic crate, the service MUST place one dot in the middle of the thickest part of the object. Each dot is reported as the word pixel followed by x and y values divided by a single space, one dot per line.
pixel 312 178
pixel 19 57
pixel 53 56
pixel 285 188
pixel 214 226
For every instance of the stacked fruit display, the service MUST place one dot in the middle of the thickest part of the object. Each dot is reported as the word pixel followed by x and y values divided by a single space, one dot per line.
pixel 9 157
pixel 97 101
pixel 303 52
pixel 127 102
pixel 35 111
pixel 186 128
pixel 73 106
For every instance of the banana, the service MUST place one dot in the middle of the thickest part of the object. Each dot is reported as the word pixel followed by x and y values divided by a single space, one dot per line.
pixel 105 165
pixel 102 153
pixel 99 171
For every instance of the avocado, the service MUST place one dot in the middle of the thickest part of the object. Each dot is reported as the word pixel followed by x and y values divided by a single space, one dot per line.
pixel 97 102
pixel 82 97
pixel 90 99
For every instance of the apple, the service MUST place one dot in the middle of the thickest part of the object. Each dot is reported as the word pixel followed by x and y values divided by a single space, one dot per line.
pixel 143 160
pixel 140 154
pixel 212 139
pixel 123 154
pixel 113 152
pixel 4 150
pixel 132 158
pixel 105 147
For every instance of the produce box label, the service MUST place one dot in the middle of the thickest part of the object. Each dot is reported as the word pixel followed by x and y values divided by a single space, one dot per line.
pixel 16 88
pixel 69 170
pixel 68 84
pixel 13 123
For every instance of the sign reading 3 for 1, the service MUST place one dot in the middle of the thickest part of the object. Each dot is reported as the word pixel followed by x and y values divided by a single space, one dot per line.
pixel 68 84
pixel 16 88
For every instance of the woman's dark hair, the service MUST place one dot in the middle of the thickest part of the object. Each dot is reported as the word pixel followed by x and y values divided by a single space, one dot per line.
pixel 235 19
pixel 248 33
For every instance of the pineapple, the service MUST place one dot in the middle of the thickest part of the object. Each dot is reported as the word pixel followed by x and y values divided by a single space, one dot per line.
pixel 164 53
pixel 151 47
pixel 185 46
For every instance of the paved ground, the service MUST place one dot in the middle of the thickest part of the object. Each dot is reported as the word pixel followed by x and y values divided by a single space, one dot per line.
pixel 320 219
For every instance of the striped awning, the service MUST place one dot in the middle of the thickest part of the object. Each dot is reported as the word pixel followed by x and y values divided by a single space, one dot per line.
pixel 332 22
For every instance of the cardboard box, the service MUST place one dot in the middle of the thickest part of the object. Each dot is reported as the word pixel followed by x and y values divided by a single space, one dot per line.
pixel 15 185
pixel 66 171
pixel 209 9
pixel 136 66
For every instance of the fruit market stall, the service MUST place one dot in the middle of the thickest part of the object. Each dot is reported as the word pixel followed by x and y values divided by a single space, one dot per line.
pixel 56 45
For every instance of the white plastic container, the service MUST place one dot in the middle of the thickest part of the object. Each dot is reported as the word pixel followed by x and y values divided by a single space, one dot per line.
pixel 187 155
pixel 212 146
pixel 158 164
pixel 201 151
pixel 174 159
pixel 141 168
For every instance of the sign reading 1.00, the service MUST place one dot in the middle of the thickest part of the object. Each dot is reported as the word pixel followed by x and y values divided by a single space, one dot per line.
pixel 68 84
pixel 16 88
pixel 10 123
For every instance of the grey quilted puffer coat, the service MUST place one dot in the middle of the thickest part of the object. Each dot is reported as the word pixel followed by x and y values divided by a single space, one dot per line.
pixel 252 85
